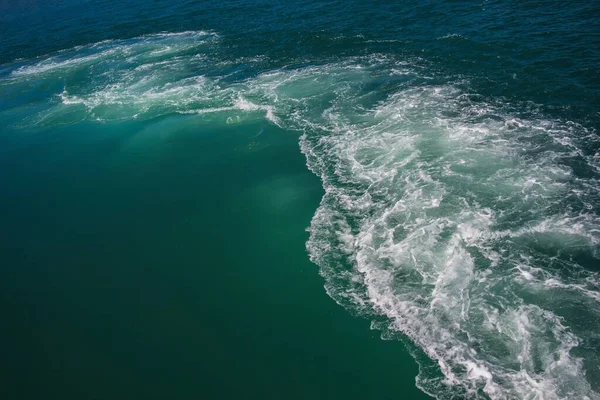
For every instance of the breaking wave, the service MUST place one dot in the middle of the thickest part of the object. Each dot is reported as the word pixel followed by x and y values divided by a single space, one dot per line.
pixel 467 226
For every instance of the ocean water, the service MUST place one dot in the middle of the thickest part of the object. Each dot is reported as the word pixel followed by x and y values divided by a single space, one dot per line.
pixel 255 199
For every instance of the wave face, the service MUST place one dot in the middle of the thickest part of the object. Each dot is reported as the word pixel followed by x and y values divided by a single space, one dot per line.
pixel 467 226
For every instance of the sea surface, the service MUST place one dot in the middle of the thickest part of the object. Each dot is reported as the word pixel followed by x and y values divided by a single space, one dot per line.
pixel 260 199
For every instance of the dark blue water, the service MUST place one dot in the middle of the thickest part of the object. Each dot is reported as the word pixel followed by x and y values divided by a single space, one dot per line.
pixel 456 144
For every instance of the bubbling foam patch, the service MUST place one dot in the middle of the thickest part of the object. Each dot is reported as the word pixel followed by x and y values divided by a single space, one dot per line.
pixel 456 223
pixel 467 224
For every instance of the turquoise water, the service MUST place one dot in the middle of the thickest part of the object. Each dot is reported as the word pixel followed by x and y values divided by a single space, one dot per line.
pixel 180 181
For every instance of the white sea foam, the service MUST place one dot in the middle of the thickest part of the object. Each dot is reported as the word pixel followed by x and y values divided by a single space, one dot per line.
pixel 426 190
pixel 150 46
pixel 58 63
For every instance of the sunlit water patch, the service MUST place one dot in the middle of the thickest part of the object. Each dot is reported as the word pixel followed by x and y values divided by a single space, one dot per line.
pixel 468 225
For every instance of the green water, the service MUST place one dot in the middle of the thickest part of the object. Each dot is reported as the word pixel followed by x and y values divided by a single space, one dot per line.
pixel 230 200
pixel 172 265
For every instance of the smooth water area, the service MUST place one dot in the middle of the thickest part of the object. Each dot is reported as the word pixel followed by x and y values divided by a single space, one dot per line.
pixel 172 173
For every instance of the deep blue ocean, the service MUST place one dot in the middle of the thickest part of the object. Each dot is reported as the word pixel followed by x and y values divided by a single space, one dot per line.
pixel 302 199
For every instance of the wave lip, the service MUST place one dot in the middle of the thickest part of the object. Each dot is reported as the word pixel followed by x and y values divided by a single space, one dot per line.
pixel 153 45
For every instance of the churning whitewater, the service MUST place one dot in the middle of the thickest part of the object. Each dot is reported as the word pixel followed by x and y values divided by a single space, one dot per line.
pixel 466 226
